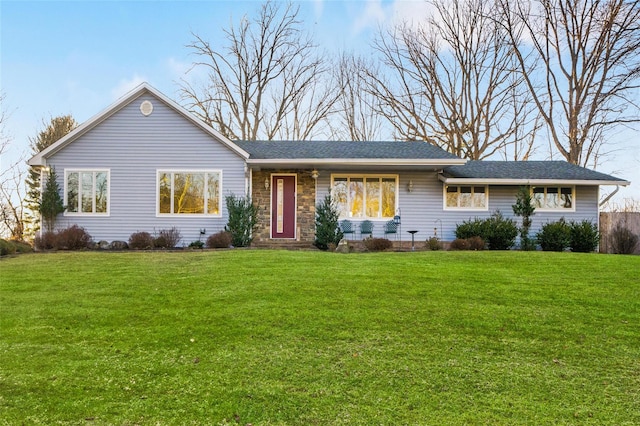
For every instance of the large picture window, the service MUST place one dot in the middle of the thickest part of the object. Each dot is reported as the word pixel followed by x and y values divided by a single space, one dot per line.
pixel 189 192
pixel 466 197
pixel 86 192
pixel 365 196
pixel 553 197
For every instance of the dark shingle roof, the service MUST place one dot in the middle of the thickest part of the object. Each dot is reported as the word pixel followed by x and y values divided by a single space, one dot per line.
pixel 526 170
pixel 292 150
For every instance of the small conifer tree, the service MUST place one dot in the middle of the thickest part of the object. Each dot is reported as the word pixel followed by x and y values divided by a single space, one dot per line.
pixel 327 227
pixel 243 220
pixel 51 204
pixel 525 208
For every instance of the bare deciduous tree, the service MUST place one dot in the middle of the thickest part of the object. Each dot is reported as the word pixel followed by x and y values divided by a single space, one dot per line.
pixel 267 83
pixel 356 119
pixel 11 184
pixel 453 83
pixel 581 63
pixel 12 194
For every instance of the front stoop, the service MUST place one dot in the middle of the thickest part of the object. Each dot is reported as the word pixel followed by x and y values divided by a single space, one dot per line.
pixel 284 245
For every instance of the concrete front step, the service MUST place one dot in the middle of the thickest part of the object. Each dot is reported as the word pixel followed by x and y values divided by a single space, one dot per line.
pixel 284 245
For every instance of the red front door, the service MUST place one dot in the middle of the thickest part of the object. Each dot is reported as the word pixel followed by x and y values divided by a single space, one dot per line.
pixel 283 206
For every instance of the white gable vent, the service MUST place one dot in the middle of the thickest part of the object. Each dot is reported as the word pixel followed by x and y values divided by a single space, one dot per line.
pixel 146 108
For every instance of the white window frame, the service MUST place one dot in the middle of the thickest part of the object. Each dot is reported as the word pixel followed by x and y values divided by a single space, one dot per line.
pixel 559 188
pixel 458 208
pixel 350 176
pixel 79 212
pixel 184 215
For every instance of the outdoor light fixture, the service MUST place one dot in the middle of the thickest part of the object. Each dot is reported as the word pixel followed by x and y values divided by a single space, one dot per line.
pixel 315 174
pixel 410 186
pixel 266 183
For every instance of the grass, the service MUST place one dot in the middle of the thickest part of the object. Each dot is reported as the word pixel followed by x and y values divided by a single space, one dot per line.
pixel 276 337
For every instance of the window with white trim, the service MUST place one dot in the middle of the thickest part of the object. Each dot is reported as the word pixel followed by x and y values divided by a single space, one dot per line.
pixel 466 197
pixel 189 192
pixel 365 196
pixel 553 197
pixel 86 192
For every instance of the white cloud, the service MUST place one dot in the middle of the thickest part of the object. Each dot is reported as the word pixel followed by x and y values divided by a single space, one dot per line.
pixel 126 85
pixel 411 12
pixel 177 69
pixel 390 13
pixel 374 14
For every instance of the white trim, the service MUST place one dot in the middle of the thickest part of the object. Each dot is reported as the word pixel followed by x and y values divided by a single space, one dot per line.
pixel 40 158
pixel 558 209
pixel 81 170
pixel 477 209
pixel 529 182
pixel 364 176
pixel 358 161
pixel 295 210
pixel 189 215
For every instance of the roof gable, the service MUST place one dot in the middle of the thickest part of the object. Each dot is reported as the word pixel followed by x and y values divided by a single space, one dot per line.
pixel 40 158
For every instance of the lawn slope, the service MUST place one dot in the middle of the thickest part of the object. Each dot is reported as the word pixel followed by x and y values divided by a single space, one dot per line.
pixel 277 337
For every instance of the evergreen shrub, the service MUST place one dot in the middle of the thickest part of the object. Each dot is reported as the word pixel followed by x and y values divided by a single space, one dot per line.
pixel 243 220
pixel 584 237
pixel 554 236
pixel 497 231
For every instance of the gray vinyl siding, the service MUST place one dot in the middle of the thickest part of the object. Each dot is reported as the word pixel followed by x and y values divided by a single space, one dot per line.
pixel 423 208
pixel 134 147
pixel 502 198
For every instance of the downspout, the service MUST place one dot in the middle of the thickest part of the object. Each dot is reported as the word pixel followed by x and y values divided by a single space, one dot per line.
pixel 603 202
pixel 248 178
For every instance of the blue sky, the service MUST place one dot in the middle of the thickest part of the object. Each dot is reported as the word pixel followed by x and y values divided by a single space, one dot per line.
pixel 78 57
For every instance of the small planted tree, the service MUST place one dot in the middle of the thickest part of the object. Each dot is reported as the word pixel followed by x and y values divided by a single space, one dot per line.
pixel 525 208
pixel 51 204
pixel 327 227
pixel 243 220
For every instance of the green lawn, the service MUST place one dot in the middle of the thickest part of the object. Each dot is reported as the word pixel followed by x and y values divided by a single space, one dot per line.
pixel 312 338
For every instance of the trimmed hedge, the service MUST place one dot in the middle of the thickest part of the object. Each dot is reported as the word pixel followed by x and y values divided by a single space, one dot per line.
pixel 497 231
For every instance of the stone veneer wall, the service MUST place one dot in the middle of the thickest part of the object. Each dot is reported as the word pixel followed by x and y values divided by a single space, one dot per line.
pixel 306 204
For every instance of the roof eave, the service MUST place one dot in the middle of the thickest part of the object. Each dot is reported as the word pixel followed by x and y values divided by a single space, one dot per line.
pixel 357 161
pixel 532 182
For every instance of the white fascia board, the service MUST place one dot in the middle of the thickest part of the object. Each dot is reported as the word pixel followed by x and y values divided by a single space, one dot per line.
pixel 226 141
pixel 357 161
pixel 532 182
pixel 39 158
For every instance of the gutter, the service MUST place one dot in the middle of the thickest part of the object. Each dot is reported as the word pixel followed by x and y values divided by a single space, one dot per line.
pixel 608 197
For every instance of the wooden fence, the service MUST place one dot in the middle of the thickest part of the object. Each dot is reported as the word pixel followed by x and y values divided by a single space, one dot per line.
pixel 609 221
